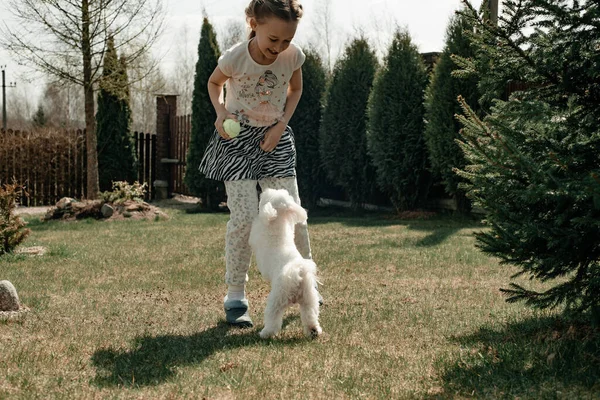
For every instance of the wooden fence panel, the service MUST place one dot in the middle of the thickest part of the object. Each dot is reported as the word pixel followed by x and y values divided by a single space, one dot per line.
pixel 50 163
pixel 181 128
pixel 145 148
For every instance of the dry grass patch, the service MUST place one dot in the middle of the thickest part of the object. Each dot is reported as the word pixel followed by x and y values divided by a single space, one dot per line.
pixel 133 309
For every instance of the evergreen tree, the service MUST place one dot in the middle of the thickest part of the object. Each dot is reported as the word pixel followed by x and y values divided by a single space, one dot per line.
pixel 127 113
pixel 441 130
pixel 116 159
pixel 395 137
pixel 343 137
pixel 39 118
pixel 203 120
pixel 306 123
pixel 533 163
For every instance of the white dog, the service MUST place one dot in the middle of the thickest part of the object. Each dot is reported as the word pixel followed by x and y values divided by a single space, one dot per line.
pixel 293 278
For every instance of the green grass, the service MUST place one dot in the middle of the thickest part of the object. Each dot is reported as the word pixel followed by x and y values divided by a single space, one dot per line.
pixel 133 309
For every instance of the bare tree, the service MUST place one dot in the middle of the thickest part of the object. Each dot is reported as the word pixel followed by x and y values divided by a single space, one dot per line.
pixel 67 39
pixel 20 108
pixel 382 28
pixel 323 26
pixel 233 32
pixel 144 88
pixel 182 78
pixel 63 105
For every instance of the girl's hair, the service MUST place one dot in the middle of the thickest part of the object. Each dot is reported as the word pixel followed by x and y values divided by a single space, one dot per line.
pixel 287 10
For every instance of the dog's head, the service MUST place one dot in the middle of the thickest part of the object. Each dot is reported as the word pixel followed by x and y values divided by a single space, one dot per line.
pixel 276 204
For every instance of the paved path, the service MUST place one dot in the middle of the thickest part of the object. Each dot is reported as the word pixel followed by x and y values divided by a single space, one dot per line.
pixel 31 210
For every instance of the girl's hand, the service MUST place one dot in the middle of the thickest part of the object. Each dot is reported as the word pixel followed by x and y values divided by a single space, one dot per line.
pixel 272 137
pixel 221 117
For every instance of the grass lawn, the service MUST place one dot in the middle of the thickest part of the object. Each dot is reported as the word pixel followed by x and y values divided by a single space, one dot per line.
pixel 133 309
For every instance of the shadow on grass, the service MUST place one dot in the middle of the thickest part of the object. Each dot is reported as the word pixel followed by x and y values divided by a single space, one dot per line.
pixel 152 360
pixel 436 237
pixel 438 228
pixel 536 358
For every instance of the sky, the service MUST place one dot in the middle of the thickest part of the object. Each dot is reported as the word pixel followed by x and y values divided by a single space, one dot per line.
pixel 426 20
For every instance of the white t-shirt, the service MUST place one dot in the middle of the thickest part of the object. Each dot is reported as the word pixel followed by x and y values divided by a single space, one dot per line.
pixel 257 93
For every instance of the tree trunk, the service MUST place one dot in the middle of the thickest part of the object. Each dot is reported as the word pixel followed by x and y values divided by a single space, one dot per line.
pixel 462 202
pixel 493 5
pixel 93 187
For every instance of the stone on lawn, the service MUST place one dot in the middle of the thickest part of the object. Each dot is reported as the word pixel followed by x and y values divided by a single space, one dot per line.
pixel 65 202
pixel 133 206
pixel 107 211
pixel 9 300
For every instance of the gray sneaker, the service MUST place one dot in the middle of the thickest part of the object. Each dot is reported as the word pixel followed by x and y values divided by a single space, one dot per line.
pixel 236 313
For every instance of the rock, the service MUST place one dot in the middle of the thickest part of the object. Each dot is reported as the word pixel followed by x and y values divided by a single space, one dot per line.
pixel 89 208
pixel 50 214
pixel 127 214
pixel 32 251
pixel 65 202
pixel 9 300
pixel 133 206
pixel 107 211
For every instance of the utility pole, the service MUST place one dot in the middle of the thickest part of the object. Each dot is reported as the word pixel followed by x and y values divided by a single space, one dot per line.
pixel 4 86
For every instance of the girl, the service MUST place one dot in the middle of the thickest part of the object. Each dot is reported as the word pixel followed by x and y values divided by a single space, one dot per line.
pixel 264 84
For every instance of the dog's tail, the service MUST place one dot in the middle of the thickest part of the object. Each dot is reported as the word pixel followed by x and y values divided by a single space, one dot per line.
pixel 300 276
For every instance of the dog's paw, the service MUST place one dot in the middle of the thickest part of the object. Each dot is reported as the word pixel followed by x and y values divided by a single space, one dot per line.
pixel 267 333
pixel 313 331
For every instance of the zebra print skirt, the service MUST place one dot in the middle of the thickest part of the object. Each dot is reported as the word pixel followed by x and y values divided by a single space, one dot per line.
pixel 242 158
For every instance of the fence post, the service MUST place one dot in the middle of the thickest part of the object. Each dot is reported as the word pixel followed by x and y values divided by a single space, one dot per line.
pixel 166 109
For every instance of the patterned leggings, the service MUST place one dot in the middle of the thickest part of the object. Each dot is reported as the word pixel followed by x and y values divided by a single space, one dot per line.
pixel 242 200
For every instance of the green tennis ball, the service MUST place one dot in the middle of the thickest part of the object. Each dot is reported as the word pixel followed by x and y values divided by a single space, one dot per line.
pixel 232 127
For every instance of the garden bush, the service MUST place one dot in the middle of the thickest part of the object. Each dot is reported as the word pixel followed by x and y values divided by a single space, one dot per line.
pixel 12 227
pixel 396 141
pixel 533 163
pixel 343 132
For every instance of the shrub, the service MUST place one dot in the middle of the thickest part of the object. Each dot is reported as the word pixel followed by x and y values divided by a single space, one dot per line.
pixel 116 158
pixel 533 162
pixel 306 123
pixel 123 191
pixel 12 231
pixel 395 135
pixel 203 120
pixel 343 134
pixel 441 130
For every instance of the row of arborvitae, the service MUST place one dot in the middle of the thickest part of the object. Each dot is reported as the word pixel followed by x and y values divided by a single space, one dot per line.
pixel 12 227
pixel 360 129
pixel 377 133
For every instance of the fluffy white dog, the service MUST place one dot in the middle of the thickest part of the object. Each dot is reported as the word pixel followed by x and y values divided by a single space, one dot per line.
pixel 293 278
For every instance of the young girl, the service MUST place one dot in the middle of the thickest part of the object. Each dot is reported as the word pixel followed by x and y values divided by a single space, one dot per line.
pixel 264 84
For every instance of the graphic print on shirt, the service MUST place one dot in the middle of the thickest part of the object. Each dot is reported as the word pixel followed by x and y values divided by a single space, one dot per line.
pixel 265 113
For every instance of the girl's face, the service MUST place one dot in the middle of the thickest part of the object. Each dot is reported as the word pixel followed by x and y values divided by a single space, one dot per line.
pixel 273 36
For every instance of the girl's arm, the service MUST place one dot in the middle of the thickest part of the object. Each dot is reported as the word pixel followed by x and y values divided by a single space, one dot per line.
pixel 294 93
pixel 215 88
pixel 293 96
